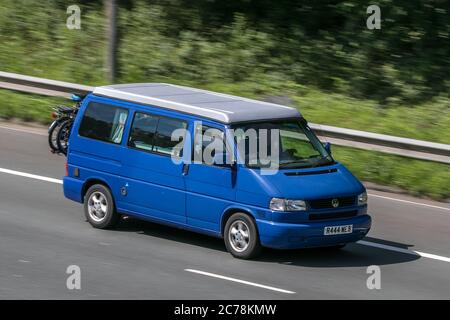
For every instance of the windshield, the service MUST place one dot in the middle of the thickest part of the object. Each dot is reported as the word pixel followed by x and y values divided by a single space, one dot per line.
pixel 284 143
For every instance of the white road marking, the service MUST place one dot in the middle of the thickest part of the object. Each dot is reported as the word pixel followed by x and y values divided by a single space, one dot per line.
pixel 31 176
pixel 23 130
pixel 367 243
pixel 406 251
pixel 410 202
pixel 238 281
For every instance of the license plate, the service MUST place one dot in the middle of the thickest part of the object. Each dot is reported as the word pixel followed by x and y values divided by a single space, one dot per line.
pixel 332 230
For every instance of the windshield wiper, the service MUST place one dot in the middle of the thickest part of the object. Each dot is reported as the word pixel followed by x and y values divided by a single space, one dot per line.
pixel 306 163
pixel 321 163
pixel 293 164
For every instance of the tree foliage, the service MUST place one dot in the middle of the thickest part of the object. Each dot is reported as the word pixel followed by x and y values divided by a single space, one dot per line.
pixel 318 43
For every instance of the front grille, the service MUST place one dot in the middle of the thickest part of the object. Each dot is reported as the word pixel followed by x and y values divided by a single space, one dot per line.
pixel 332 215
pixel 328 203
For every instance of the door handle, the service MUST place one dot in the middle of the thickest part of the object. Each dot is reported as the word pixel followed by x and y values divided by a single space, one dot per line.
pixel 185 169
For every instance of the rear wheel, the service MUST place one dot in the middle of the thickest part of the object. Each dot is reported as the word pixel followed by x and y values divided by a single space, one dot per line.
pixel 99 207
pixel 53 135
pixel 241 236
pixel 62 140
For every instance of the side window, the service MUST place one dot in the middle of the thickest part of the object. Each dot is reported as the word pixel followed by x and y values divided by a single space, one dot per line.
pixel 209 146
pixel 163 139
pixel 143 131
pixel 103 122
pixel 154 133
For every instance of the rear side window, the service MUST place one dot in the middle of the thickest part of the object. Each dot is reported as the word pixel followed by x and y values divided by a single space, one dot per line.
pixel 103 122
pixel 163 138
pixel 143 131
pixel 154 133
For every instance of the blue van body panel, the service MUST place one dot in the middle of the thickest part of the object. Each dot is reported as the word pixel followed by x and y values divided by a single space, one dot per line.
pixel 72 189
pixel 209 189
pixel 154 218
pixel 248 193
pixel 315 186
pixel 158 190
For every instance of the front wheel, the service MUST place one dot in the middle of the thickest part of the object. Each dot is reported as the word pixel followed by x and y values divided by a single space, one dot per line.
pixel 241 236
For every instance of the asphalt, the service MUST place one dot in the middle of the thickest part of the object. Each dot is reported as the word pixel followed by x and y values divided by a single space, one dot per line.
pixel 42 233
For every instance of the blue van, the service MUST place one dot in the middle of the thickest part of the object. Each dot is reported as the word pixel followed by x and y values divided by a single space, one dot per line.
pixel 123 160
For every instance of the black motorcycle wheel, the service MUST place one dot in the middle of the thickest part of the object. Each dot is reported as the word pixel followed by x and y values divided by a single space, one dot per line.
pixel 63 136
pixel 53 134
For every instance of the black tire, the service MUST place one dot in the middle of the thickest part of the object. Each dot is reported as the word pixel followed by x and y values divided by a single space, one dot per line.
pixel 106 216
pixel 236 242
pixel 53 135
pixel 63 136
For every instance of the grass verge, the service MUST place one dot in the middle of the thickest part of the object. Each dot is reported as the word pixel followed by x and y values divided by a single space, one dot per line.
pixel 417 177
pixel 28 107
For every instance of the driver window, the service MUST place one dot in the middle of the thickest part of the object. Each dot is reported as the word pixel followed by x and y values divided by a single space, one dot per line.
pixel 210 146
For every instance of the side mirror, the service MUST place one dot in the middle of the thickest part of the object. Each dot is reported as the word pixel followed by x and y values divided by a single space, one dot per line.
pixel 327 147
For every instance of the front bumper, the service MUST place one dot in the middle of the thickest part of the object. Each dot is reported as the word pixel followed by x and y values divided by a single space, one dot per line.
pixel 310 234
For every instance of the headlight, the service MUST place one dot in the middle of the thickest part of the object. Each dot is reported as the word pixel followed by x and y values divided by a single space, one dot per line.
pixel 278 204
pixel 362 199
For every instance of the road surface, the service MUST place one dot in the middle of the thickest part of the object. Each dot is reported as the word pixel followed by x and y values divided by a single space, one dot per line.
pixel 42 233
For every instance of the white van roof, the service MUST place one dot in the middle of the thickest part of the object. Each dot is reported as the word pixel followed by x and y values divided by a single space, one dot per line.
pixel 217 106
